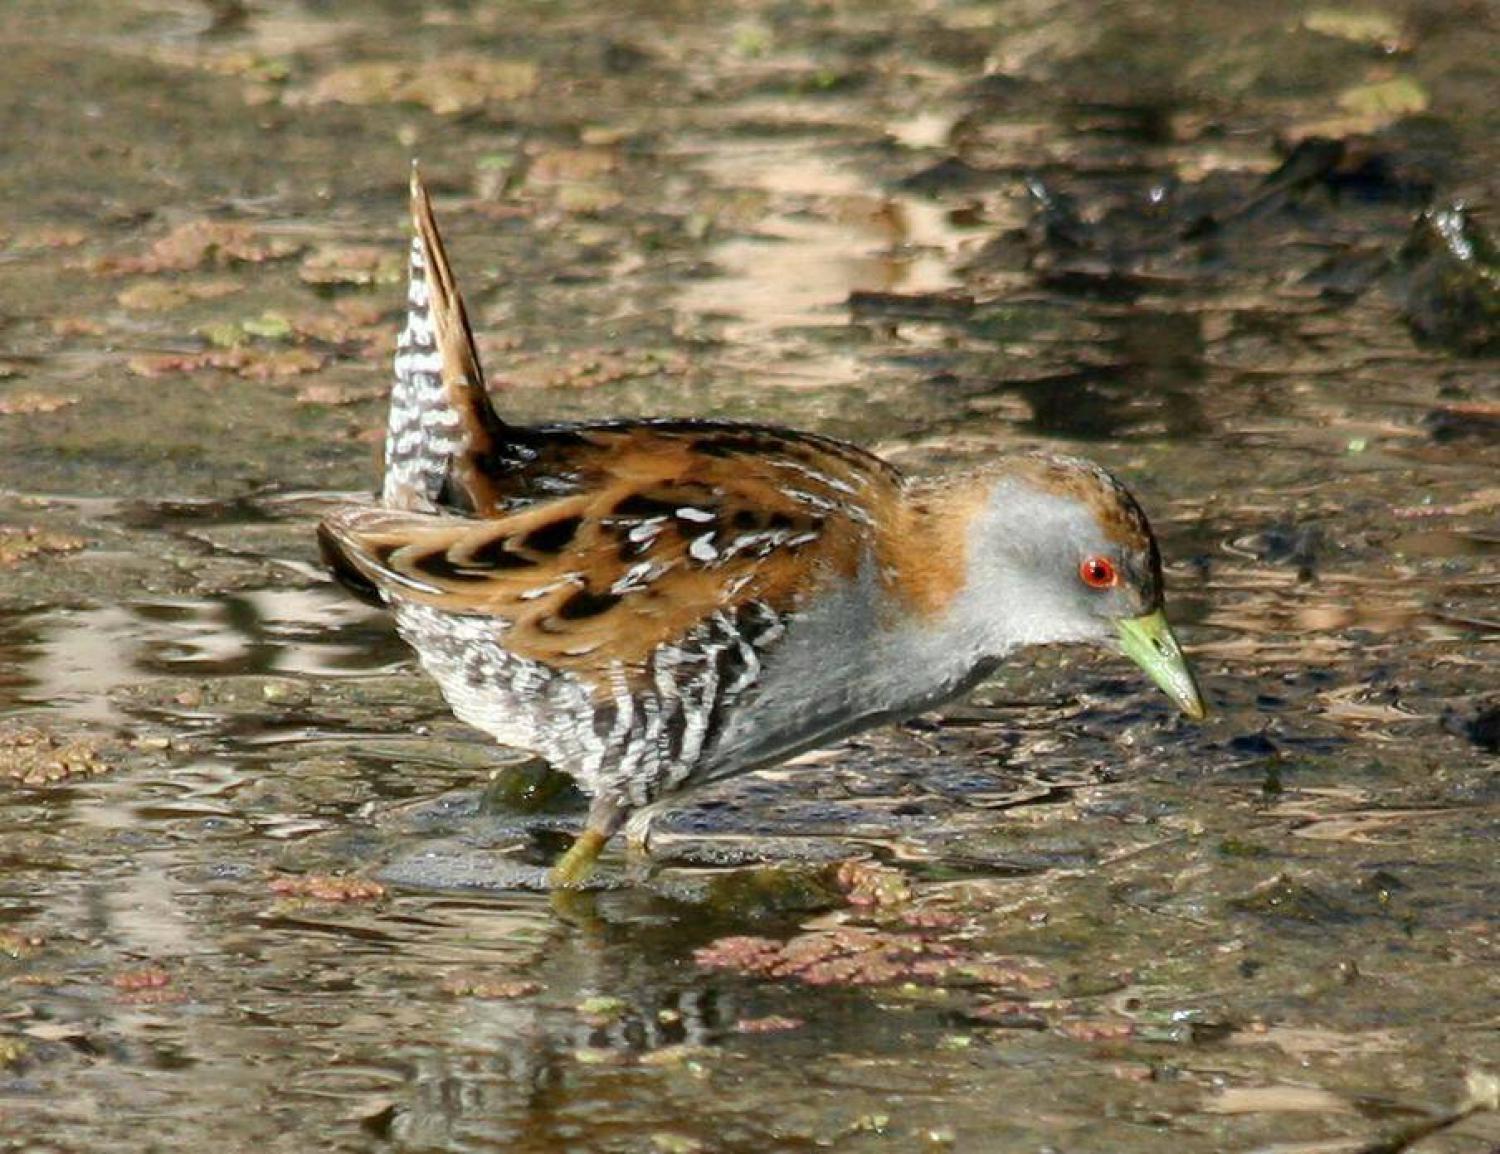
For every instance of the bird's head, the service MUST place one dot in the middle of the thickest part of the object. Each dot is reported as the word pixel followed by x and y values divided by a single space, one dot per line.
pixel 1059 551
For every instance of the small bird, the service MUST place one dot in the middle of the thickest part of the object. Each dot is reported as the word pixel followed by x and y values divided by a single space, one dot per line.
pixel 651 605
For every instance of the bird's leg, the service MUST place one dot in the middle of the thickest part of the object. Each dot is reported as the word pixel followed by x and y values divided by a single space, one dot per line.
pixel 638 830
pixel 638 844
pixel 574 867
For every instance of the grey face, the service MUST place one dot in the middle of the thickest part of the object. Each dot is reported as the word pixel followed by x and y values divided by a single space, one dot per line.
pixel 1054 571
pixel 1075 561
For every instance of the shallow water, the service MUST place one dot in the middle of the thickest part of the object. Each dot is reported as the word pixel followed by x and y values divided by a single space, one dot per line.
pixel 256 890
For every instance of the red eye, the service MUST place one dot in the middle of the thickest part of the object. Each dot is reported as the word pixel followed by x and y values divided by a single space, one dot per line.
pixel 1098 573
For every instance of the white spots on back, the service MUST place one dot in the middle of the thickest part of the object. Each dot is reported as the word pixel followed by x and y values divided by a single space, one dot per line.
pixel 827 506
pixel 702 549
pixel 647 530
pixel 812 500
pixel 766 541
pixel 639 576
pixel 817 476
pixel 737 585
pixel 539 591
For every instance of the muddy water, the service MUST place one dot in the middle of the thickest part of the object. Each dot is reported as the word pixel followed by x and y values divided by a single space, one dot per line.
pixel 256 890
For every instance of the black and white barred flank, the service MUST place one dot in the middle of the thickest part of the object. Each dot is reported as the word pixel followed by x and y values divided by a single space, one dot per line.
pixel 630 745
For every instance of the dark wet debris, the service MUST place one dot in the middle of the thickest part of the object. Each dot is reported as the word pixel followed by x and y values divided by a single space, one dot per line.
pixel 1476 421
pixel 1301 545
pixel 1254 745
pixel 761 890
pixel 461 869
pixel 1113 234
pixel 1353 167
pixel 910 306
pixel 1288 899
pixel 951 175
pixel 1446 277
pixel 531 787
pixel 1481 725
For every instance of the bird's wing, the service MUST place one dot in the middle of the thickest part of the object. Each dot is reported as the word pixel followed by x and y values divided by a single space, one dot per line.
pixel 630 537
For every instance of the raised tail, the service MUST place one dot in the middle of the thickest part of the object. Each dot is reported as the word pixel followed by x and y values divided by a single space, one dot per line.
pixel 442 427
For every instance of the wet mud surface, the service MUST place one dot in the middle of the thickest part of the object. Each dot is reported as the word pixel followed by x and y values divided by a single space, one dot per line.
pixel 258 890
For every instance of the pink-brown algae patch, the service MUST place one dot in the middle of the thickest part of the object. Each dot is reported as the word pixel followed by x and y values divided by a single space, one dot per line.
pixel 332 888
pixel 898 942
pixel 20 543
pixel 592 368
pixel 251 363
pixel 147 986
pixel 67 325
pixel 351 264
pixel 34 757
pixel 275 346
pixel 157 295
pixel 333 395
pixel 1064 1017
pixel 202 244
pixel 845 956
pixel 30 401
pixel 866 884
pixel 1010 1014
pixel 450 84
pixel 469 986
pixel 1096 1029
pixel 50 237
pixel 14 944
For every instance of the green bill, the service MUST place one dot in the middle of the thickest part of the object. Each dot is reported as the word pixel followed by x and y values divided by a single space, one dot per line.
pixel 1148 641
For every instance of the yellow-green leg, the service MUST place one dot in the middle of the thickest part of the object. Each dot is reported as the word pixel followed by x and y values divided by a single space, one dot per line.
pixel 575 866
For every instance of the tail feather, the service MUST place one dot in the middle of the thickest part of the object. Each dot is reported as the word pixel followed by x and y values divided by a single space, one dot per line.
pixel 441 422
pixel 342 564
